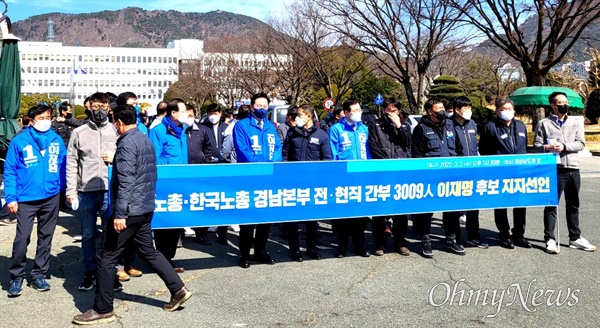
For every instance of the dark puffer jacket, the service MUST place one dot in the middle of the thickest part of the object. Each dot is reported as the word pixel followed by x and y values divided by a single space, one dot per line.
pixel 133 183
pixel 306 145
pixel 432 139
pixel 387 141
pixel 466 137
pixel 499 139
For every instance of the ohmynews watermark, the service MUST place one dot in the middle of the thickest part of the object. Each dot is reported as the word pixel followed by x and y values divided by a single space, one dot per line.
pixel 460 294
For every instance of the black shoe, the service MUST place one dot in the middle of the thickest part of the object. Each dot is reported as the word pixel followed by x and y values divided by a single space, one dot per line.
pixel 263 257
pixel 507 243
pixel 88 283
pixel 477 243
pixel 426 249
pixel 222 239
pixel 455 248
pixel 521 242
pixel 118 286
pixel 313 255
pixel 202 240
pixel 361 252
pixel 297 256
pixel 340 252
pixel 244 263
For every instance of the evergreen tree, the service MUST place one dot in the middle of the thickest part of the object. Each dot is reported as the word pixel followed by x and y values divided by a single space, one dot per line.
pixel 446 88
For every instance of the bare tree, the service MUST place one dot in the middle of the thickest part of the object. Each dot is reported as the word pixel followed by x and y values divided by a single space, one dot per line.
pixel 320 55
pixel 403 35
pixel 556 25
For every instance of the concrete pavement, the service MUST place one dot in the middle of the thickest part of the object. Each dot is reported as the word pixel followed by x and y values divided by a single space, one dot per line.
pixel 387 291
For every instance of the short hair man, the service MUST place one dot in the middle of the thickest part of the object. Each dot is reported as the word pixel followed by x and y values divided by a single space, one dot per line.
pixel 563 136
pixel 133 188
pixel 506 135
pixel 129 98
pixel 161 110
pixel 255 140
pixel 290 123
pixel 434 137
pixel 348 140
pixel 34 175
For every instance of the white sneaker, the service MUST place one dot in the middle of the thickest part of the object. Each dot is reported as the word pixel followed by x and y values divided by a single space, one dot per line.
pixel 235 227
pixel 462 219
pixel 582 244
pixel 551 247
pixel 189 232
pixel 77 238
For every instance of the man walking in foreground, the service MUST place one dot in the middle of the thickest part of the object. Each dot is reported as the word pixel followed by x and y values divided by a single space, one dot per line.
pixel 132 196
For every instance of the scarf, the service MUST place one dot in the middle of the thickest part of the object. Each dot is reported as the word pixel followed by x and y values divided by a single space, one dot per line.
pixel 172 128
pixel 40 138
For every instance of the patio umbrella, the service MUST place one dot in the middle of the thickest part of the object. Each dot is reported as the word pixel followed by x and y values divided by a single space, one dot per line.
pixel 10 83
pixel 538 96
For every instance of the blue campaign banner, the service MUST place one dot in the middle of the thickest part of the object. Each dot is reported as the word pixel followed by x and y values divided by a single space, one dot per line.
pixel 248 193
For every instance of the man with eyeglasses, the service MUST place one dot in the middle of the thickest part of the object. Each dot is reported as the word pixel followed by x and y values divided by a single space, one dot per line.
pixel 563 136
pixel 255 140
pixel 89 152
pixel 34 175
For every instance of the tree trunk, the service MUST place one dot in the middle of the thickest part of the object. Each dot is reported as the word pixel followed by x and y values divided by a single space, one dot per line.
pixel 537 114
pixel 410 95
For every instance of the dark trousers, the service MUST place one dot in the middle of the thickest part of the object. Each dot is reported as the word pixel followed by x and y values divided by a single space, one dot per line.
pixel 422 225
pixel 47 212
pixel 294 239
pixel 451 222
pixel 355 227
pixel 472 225
pixel 203 232
pixel 247 238
pixel 399 230
pixel 569 181
pixel 501 218
pixel 137 231
pixel 166 242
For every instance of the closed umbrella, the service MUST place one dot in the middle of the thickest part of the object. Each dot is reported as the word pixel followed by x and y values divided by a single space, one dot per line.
pixel 10 83
pixel 538 96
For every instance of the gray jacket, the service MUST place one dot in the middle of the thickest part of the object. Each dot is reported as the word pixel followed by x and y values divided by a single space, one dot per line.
pixel 570 134
pixel 86 171
pixel 133 181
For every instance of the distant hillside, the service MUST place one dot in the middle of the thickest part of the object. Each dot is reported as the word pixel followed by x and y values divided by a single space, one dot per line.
pixel 590 38
pixel 135 27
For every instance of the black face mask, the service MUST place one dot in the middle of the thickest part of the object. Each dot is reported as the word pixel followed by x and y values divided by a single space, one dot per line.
pixel 88 113
pixel 100 115
pixel 563 109
pixel 441 115
pixel 69 115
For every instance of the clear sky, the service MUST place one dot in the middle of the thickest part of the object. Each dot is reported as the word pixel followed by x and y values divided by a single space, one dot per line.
pixel 21 9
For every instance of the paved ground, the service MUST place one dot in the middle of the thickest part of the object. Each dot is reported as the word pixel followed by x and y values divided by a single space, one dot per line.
pixel 388 291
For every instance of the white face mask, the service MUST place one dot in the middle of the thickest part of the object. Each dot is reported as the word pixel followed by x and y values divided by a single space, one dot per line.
pixel 467 115
pixel 299 122
pixel 214 119
pixel 450 114
pixel 507 115
pixel 43 125
pixel 356 117
pixel 187 120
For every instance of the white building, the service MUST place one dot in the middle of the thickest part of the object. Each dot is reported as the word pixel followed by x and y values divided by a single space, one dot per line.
pixel 50 67
pixel 77 72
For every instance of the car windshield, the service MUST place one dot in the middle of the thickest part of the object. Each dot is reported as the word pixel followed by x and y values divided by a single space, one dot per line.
pixel 281 115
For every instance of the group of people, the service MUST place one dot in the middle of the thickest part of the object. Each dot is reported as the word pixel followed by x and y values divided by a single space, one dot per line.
pixel 41 163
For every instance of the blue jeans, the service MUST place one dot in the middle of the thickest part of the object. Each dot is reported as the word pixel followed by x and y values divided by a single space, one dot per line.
pixel 91 205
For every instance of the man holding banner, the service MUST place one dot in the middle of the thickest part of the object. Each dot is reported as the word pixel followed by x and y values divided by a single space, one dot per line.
pixel 434 137
pixel 504 136
pixel 348 140
pixel 255 140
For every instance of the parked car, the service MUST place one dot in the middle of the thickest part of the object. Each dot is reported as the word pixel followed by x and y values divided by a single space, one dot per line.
pixel 278 114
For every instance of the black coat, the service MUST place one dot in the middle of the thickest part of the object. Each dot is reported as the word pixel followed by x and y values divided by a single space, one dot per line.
pixel 306 145
pixel 63 130
pixel 430 139
pixel 499 139
pixel 386 141
pixel 133 182
pixel 466 137
pixel 215 143
pixel 200 150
